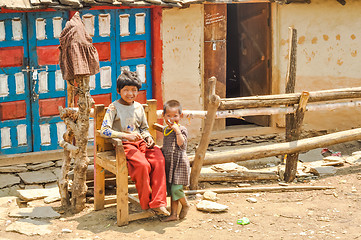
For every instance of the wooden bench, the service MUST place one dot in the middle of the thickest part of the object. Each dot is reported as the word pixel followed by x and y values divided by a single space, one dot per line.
pixel 109 155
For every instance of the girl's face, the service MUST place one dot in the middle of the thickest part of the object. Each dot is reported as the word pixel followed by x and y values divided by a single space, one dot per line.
pixel 128 94
pixel 172 115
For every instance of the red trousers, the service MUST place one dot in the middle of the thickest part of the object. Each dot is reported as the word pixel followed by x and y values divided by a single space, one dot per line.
pixel 147 169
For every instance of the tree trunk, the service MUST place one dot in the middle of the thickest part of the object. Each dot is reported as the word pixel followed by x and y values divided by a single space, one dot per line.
pixel 81 159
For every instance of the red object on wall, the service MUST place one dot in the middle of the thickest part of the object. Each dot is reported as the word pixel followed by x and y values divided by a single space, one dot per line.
pixel 105 99
pixel 142 97
pixel 103 49
pixel 12 110
pixel 48 55
pixel 49 107
pixel 11 56
pixel 135 49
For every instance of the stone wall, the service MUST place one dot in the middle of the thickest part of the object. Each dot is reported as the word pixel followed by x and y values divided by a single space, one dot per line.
pixel 29 176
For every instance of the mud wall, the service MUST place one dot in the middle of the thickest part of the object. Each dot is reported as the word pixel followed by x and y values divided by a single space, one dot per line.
pixel 182 33
pixel 328 54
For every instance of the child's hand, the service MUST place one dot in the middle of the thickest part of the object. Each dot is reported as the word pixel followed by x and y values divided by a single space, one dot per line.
pixel 173 126
pixel 150 142
pixel 133 137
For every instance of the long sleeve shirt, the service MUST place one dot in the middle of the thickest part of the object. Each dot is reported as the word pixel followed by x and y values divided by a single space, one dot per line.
pixel 120 119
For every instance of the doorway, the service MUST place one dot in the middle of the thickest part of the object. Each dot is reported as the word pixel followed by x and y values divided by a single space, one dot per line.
pixel 248 55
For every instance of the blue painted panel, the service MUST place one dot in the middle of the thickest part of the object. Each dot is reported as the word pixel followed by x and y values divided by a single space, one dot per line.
pixel 51 91
pixel 132 63
pixel 12 94
pixel 100 39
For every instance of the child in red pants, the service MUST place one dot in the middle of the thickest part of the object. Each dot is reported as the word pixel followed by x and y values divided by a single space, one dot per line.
pixel 125 119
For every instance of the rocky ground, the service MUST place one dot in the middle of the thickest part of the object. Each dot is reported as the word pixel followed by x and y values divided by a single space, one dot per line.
pixel 318 214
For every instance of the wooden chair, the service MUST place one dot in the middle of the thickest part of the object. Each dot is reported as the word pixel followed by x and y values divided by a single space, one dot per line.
pixel 109 155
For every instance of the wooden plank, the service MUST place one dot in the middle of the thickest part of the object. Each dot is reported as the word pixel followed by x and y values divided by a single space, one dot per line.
pixel 34 157
pixel 141 215
pixel 259 189
pixel 238 176
pixel 206 135
pixel 107 160
pixel 133 199
pixel 282 148
pixel 288 99
pixel 122 185
pixel 215 52
pixel 99 186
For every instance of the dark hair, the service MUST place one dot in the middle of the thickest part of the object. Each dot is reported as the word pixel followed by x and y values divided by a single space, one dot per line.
pixel 172 104
pixel 128 78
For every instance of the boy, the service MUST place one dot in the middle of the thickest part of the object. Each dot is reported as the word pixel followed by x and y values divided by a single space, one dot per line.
pixel 176 160
pixel 125 119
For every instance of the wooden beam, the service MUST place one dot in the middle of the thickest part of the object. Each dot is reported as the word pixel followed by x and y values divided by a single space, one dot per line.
pixel 103 160
pixel 259 189
pixel 282 148
pixel 238 176
pixel 292 159
pixel 288 99
pixel 152 117
pixel 122 185
pixel 206 135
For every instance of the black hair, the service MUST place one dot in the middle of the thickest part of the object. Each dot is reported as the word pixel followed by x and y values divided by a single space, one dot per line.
pixel 128 78
pixel 172 104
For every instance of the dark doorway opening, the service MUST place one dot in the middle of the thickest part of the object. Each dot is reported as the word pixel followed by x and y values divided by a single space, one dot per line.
pixel 248 55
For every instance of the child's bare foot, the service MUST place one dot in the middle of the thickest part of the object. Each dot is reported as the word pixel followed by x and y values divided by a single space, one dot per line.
pixel 170 218
pixel 184 211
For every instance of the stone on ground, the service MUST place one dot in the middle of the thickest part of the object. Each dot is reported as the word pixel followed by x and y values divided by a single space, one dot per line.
pixel 228 167
pixel 13 169
pixel 44 176
pixel 209 195
pixel 35 212
pixel 7 180
pixel 39 166
pixel 209 206
pixel 29 227
pixel 32 194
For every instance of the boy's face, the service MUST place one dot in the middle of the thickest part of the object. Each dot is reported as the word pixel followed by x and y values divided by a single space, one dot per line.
pixel 129 93
pixel 172 115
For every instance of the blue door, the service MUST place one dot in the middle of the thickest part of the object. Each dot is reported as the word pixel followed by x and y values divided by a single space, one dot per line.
pixel 123 40
pixel 47 85
pixel 15 106
pixel 31 83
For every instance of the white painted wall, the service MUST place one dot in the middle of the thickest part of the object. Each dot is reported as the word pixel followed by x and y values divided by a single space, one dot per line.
pixel 182 33
pixel 328 54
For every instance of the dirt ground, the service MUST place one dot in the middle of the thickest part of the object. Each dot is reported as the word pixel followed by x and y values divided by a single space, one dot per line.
pixel 320 214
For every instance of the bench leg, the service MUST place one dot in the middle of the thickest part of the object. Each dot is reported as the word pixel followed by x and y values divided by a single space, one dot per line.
pixel 122 187
pixel 99 187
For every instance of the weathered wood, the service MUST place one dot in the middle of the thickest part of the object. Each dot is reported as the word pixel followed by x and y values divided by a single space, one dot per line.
pixel 239 176
pixel 81 159
pixel 206 135
pixel 282 148
pixel 259 189
pixel 122 185
pixel 288 99
pixel 63 182
pixel 107 160
pixel 295 131
pixel 158 127
pixel 215 50
pixel 68 146
pixel 291 135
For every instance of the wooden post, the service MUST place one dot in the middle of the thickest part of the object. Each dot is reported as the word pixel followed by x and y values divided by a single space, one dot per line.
pixel 68 137
pixel 99 172
pixel 214 101
pixel 81 159
pixel 122 184
pixel 152 117
pixel 291 164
